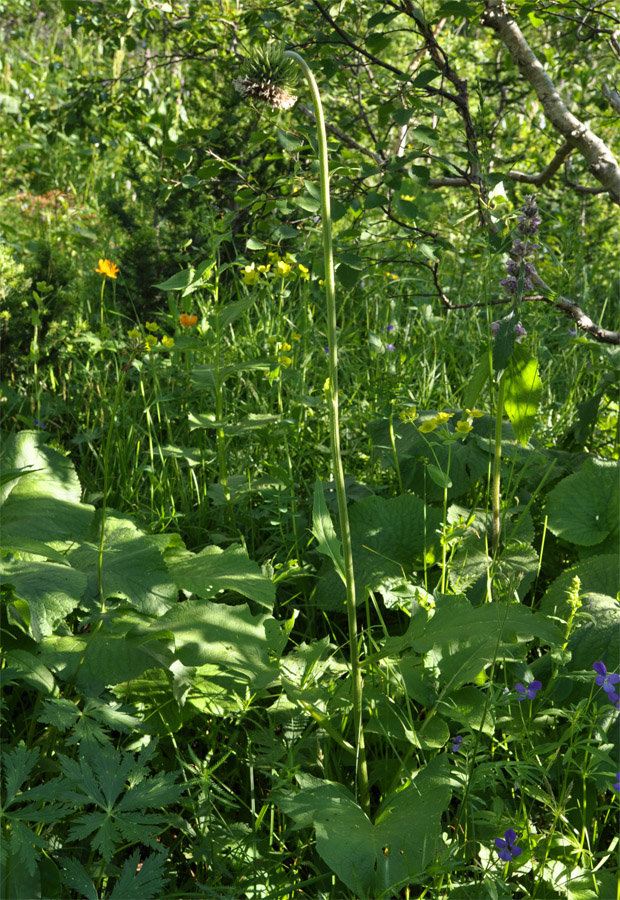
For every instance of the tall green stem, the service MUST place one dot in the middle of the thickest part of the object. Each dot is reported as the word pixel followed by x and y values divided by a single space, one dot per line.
pixel 334 428
pixel 497 459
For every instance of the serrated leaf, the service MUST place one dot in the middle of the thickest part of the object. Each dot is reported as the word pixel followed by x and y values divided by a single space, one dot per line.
pixel 133 566
pixel 75 876
pixel 214 570
pixel 17 764
pixel 51 591
pixel 50 472
pixel 24 666
pixel 143 883
pixel 229 637
pixel 390 539
pixel 504 342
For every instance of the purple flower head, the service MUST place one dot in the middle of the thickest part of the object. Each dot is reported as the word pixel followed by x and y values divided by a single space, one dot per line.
pixel 572 332
pixel 521 250
pixel 614 698
pixel 510 284
pixel 529 691
pixel 456 746
pixel 390 328
pixel 617 786
pixel 326 351
pixel 527 225
pixel 390 347
pixel 604 680
pixel 507 849
pixel 521 332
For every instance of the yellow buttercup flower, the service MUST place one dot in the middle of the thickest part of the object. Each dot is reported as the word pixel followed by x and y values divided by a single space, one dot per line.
pixel 463 427
pixel 295 336
pixel 250 275
pixel 107 268
pixel 134 333
pixel 150 340
pixel 285 346
pixel 282 268
pixel 151 326
pixel 443 417
pixel 429 425
pixel 263 269
pixel 474 413
pixel 274 257
pixel 304 273
pixel 284 360
pixel 168 342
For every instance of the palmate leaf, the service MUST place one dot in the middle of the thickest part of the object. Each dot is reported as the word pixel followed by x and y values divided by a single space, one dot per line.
pixel 75 876
pixel 145 883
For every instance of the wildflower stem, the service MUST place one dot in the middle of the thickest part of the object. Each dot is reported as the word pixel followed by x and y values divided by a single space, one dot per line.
pixel 497 458
pixel 334 427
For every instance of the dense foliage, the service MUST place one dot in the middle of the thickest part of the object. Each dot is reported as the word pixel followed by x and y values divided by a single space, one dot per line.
pixel 183 676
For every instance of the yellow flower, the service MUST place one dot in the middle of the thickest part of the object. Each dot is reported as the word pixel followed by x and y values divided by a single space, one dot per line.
pixel 151 326
pixel 288 258
pixel 274 257
pixel 321 282
pixel 303 272
pixel 5 314
pixel 282 269
pixel 150 340
pixel 429 425
pixel 443 417
pixel 408 415
pixel 263 269
pixel 285 346
pixel 107 268
pixel 134 333
pixel 284 360
pixel 189 321
pixel 474 413
pixel 250 275
pixel 463 427
pixel 168 342
pixel 295 336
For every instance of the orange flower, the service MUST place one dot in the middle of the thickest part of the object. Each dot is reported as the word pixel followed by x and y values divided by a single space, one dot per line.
pixel 184 319
pixel 107 268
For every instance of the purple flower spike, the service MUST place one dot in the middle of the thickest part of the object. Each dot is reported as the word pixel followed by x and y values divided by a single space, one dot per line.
pixel 603 679
pixel 507 849
pixel 528 691
pixel 617 786
pixel 458 740
pixel 390 347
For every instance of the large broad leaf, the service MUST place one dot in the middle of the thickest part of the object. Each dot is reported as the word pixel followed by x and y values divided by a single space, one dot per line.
pixel 132 568
pixel 43 516
pixel 214 570
pixel 373 859
pixel 583 508
pixel 390 539
pixel 597 575
pixel 523 388
pixel 229 637
pixel 50 471
pixel 119 652
pixel 464 639
pixel 51 591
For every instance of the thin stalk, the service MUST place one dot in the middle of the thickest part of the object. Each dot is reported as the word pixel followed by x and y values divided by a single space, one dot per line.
pixel 497 458
pixel 334 428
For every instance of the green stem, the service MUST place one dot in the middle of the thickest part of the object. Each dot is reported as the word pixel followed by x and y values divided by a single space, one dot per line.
pixel 334 428
pixel 497 458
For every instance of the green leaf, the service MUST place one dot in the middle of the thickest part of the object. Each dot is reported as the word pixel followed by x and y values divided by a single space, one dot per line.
pixel 480 377
pixel 17 764
pixel 523 388
pixel 24 544
pixel 51 518
pixel 233 311
pixel 141 879
pixel 50 591
pixel 229 637
pixel 504 341
pixel 24 666
pixel 390 539
pixel 51 472
pixel 133 566
pixel 374 859
pixel 324 532
pixel 189 280
pixel 75 876
pixel 214 570
pixel 288 141
pixel 254 244
pixel 583 507
pixel 347 276
pixel 439 477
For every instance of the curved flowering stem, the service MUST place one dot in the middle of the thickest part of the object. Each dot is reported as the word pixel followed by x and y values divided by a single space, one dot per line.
pixel 266 80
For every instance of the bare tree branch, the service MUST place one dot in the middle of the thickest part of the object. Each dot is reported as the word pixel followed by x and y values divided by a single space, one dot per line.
pixel 601 161
pixel 584 322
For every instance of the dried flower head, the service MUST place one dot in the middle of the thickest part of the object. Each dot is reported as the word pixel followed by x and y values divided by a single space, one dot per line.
pixel 269 76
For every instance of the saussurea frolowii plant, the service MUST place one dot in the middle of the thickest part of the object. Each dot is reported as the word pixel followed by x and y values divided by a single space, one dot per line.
pixel 271 77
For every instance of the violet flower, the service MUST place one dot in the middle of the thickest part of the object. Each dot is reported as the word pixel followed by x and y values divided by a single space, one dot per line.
pixel 529 691
pixel 603 679
pixel 507 849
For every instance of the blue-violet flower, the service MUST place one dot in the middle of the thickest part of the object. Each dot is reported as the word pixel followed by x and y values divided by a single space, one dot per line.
pixel 604 680
pixel 529 690
pixel 507 849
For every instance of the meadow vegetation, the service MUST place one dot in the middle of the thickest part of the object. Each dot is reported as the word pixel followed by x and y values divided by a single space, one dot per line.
pixel 228 672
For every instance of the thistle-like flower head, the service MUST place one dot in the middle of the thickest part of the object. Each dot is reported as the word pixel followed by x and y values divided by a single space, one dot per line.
pixel 269 76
